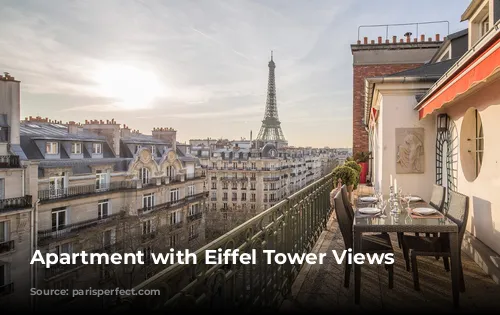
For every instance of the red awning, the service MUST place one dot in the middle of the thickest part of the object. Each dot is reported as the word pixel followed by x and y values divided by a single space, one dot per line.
pixel 479 69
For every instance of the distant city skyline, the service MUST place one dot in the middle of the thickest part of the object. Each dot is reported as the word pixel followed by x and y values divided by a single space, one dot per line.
pixel 200 67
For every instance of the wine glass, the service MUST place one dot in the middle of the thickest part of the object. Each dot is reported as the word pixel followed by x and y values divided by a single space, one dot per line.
pixel 408 200
pixel 382 204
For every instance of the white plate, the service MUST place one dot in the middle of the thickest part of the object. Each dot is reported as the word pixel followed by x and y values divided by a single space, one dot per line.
pixel 424 211
pixel 413 198
pixel 369 210
pixel 369 199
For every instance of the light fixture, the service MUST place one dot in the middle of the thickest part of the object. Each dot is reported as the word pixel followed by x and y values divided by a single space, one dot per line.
pixel 442 122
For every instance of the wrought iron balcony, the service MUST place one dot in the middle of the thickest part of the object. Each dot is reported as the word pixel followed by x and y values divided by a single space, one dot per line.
pixel 52 194
pixel 291 226
pixel 148 236
pixel 7 246
pixel 6 289
pixel 171 204
pixel 195 216
pixel 9 161
pixel 271 179
pixel 15 203
pixel 176 226
pixel 59 269
pixel 65 229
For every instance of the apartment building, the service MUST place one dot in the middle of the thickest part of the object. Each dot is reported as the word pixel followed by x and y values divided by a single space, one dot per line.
pixel 244 179
pixel 94 187
pixel 18 191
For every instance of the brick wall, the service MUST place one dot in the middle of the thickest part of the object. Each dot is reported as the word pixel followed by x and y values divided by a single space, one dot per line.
pixel 360 72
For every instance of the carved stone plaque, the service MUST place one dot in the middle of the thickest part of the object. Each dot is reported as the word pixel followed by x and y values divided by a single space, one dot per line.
pixel 145 156
pixel 409 150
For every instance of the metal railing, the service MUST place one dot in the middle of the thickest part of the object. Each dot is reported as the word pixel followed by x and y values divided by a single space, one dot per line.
pixel 64 229
pixel 416 25
pixel 16 203
pixel 49 194
pixel 170 204
pixel 292 226
pixel 195 216
pixel 7 246
pixel 9 161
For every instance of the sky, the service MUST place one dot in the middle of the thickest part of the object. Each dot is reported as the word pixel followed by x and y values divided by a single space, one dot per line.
pixel 201 66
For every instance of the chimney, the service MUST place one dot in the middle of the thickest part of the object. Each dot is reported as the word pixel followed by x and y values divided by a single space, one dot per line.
pixel 110 131
pixel 250 135
pixel 169 135
pixel 72 128
pixel 422 37
pixel 10 105
pixel 380 39
pixel 394 39
pixel 365 40
pixel 437 37
pixel 125 131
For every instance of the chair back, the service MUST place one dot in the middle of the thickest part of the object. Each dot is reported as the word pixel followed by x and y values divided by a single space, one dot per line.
pixel 458 212
pixel 345 221
pixel 437 198
pixel 347 203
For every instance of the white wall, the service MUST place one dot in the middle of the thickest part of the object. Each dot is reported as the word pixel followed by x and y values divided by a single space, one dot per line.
pixel 396 111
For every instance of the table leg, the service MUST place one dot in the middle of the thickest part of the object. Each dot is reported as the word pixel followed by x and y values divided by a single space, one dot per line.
pixel 455 267
pixel 357 267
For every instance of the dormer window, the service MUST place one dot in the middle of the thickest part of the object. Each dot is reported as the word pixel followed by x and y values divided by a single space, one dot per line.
pixel 52 148
pixel 485 25
pixel 96 148
pixel 76 148
pixel 153 150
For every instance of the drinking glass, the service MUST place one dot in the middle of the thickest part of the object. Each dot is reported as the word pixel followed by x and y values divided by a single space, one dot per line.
pixel 382 204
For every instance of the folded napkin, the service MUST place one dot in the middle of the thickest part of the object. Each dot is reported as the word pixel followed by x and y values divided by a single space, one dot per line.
pixel 437 215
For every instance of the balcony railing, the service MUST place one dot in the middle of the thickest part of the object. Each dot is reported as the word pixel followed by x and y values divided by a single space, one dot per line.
pixel 169 204
pixel 59 269
pixel 176 226
pixel 270 179
pixel 75 227
pixel 9 161
pixel 7 246
pixel 49 194
pixel 6 289
pixel 195 216
pixel 295 225
pixel 15 203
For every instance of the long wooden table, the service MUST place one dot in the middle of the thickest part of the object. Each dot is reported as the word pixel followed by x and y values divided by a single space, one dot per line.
pixel 405 223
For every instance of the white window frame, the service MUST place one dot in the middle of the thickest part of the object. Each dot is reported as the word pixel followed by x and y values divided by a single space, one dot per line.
pixel 153 150
pixel 484 21
pixel 191 190
pixel 101 181
pixel 144 175
pixel 148 201
pixel 58 225
pixel 194 209
pixel 96 148
pixel 56 186
pixel 147 227
pixel 175 217
pixel 64 248
pixel 174 195
pixel 76 148
pixel 192 230
pixel 4 235
pixel 101 206
pixel 52 147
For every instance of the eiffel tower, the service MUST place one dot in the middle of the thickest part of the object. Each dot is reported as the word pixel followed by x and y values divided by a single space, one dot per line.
pixel 270 131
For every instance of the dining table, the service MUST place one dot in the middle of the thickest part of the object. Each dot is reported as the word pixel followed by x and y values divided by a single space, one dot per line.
pixel 405 222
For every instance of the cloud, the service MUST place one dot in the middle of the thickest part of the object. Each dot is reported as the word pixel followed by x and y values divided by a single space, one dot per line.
pixel 210 58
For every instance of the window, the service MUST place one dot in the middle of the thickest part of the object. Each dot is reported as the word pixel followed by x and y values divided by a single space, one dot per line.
pixel 190 190
pixel 96 148
pixel 252 206
pixel 148 201
pixel 174 195
pixel 214 196
pixel 66 248
pixel 485 25
pixel 144 175
pixel 194 209
pixel 76 148
pixel 153 150
pixel 224 197
pixel 253 197
pixel 214 185
pixel 4 231
pixel 243 196
pixel 234 185
pixel 235 196
pixel 3 276
pixel 254 166
pixel 224 185
pixel 2 188
pixel 192 231
pixel 103 209
pixel 175 217
pixel 52 148
pixel 214 206
pixel 471 144
pixel 108 238
pixel 59 219
pixel 235 165
pixel 56 186
pixel 252 186
pixel 147 227
pixel 173 240
pixel 101 182
pixel 224 206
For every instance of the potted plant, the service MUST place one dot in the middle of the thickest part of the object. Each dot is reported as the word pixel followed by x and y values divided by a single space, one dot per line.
pixel 347 175
pixel 362 159
pixel 357 168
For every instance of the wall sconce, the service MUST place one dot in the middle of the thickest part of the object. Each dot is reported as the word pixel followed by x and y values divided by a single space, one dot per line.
pixel 442 122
